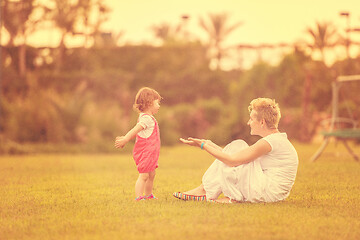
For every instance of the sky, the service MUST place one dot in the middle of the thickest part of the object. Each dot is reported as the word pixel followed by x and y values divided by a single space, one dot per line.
pixel 263 21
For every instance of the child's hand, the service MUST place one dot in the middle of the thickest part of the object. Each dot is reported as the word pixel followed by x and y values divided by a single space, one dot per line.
pixel 120 142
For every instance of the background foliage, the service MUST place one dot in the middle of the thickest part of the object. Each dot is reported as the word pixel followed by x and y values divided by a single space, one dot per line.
pixel 83 96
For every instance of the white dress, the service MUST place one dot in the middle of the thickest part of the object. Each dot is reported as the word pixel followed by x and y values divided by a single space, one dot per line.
pixel 269 178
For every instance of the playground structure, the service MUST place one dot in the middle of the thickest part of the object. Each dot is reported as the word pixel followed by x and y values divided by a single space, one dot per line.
pixel 337 129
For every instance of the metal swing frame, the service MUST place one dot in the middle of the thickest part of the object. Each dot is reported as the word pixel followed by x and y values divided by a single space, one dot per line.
pixel 340 134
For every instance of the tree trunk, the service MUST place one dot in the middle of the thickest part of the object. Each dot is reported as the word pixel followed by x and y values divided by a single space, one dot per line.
pixel 22 59
pixel 60 57
pixel 305 106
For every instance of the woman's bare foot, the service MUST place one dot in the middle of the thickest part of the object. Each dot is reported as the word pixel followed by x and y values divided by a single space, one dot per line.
pixel 226 200
pixel 199 191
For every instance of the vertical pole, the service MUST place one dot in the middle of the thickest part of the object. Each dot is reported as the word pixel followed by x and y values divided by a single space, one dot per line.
pixel 335 103
pixel 348 41
pixel 334 115
pixel 347 31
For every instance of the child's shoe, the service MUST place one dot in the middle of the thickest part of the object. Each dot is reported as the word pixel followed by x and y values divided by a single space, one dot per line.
pixel 140 198
pixel 151 196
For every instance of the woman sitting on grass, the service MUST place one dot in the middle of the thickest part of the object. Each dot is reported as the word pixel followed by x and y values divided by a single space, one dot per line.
pixel 263 172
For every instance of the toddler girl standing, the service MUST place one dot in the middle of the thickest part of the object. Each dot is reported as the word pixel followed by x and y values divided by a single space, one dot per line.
pixel 147 144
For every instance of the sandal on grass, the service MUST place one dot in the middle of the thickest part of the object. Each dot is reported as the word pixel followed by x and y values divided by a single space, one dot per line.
pixel 151 196
pixel 140 198
pixel 187 197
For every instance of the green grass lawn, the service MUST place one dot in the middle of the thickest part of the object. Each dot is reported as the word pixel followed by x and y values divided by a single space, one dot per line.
pixel 92 197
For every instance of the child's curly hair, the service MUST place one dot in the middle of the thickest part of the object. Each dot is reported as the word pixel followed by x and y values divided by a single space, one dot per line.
pixel 266 109
pixel 145 98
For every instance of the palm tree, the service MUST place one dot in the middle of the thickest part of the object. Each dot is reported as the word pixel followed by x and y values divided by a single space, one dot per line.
pixel 65 16
pixel 16 20
pixel 323 36
pixel 92 24
pixel 218 29
pixel 167 33
pixel 164 32
pixel 72 17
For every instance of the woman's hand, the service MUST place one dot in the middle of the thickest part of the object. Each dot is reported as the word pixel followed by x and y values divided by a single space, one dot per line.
pixel 195 142
pixel 188 142
pixel 120 142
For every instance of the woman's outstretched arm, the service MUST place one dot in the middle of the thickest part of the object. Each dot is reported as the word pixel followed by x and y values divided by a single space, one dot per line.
pixel 209 142
pixel 246 155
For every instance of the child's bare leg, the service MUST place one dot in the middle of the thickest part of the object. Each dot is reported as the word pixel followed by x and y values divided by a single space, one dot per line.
pixel 140 184
pixel 150 183
pixel 199 191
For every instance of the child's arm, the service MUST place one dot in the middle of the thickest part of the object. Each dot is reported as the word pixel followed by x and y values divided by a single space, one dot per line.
pixel 121 141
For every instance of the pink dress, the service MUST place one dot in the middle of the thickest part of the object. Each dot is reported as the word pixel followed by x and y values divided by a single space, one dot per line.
pixel 146 151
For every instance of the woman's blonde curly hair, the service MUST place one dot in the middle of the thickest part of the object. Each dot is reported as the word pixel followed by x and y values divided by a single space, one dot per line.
pixel 266 109
pixel 145 98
